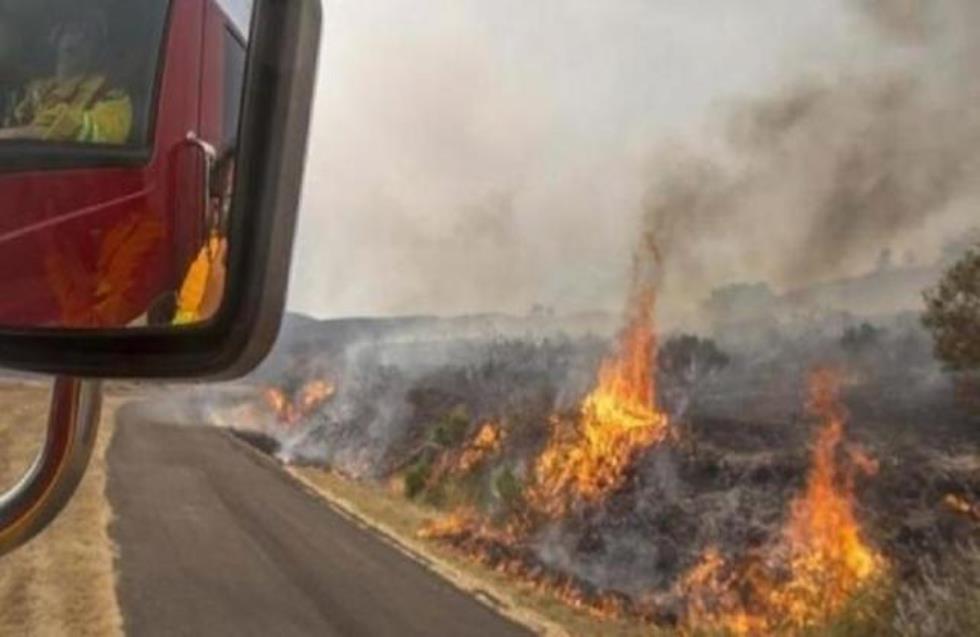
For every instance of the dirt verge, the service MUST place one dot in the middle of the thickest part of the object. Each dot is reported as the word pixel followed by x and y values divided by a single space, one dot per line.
pixel 61 583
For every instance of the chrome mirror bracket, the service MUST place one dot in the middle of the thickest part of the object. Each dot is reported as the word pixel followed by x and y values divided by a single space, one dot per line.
pixel 210 155
pixel 73 423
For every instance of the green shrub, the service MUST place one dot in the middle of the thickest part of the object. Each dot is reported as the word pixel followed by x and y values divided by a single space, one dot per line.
pixel 509 489
pixel 417 476
pixel 451 430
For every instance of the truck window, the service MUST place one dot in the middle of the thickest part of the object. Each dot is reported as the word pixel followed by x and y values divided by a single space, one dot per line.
pixel 234 79
pixel 81 71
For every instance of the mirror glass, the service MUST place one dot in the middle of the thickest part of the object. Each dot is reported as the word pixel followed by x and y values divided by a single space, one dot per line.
pixel 118 132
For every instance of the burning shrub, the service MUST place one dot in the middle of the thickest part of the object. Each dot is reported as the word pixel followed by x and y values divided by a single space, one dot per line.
pixel 588 457
pixel 447 467
pixel 826 561
pixel 293 407
pixel 484 444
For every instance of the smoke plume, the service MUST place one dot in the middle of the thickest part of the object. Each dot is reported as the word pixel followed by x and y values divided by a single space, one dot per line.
pixel 493 156
pixel 817 179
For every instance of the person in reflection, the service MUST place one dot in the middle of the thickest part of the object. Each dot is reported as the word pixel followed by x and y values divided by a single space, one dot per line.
pixel 77 104
pixel 203 288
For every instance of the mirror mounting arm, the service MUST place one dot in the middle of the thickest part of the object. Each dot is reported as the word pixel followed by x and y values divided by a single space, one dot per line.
pixel 210 154
pixel 73 424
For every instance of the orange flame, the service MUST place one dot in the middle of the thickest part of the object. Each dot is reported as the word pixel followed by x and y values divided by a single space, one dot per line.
pixel 485 443
pixel 304 402
pixel 827 559
pixel 617 420
pixel 456 522
pixel 276 399
pixel 823 532
pixel 962 506
pixel 313 394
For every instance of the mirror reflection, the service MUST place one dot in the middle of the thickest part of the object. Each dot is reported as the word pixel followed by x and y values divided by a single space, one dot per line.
pixel 118 133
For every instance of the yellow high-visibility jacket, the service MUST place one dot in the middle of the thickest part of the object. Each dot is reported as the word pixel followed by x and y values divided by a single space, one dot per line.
pixel 194 287
pixel 80 109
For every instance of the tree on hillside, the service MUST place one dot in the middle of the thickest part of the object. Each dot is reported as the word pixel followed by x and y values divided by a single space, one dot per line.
pixel 953 314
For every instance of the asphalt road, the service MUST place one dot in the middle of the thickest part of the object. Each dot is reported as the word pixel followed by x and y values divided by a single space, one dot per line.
pixel 213 541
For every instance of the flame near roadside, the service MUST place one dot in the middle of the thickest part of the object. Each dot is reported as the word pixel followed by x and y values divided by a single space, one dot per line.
pixel 290 411
pixel 500 549
pixel 618 420
pixel 586 458
pixel 820 562
pixel 484 444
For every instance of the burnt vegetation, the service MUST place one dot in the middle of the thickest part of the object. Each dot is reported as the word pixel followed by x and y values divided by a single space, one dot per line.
pixel 460 424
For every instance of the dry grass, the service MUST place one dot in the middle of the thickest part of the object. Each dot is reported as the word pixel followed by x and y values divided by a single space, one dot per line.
pixel 61 583
pixel 400 520
pixel 945 602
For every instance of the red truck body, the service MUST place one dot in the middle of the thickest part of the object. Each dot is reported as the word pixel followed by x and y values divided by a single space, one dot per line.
pixel 99 246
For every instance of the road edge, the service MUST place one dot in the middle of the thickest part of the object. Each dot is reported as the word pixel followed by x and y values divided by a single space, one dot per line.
pixel 501 602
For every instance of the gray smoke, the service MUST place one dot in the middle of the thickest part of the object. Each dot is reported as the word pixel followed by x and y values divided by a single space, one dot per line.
pixel 491 156
pixel 818 179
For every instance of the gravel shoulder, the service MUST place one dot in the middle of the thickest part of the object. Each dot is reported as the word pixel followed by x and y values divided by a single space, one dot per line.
pixel 62 582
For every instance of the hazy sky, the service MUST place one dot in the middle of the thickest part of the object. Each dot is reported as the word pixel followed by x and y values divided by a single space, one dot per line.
pixel 488 155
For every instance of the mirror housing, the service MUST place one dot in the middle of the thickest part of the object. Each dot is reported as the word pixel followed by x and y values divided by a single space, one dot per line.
pixel 278 90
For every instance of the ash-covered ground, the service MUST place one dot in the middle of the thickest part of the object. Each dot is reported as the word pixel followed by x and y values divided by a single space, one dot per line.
pixel 409 405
